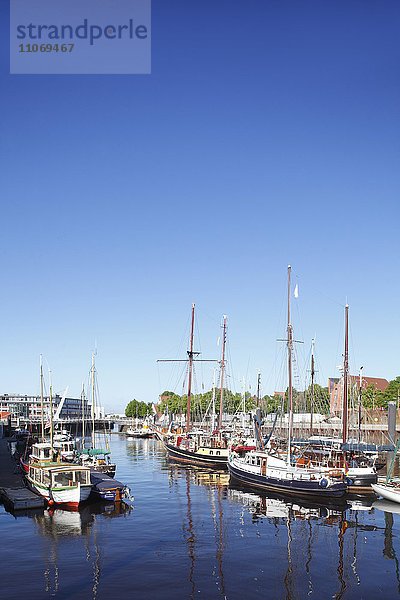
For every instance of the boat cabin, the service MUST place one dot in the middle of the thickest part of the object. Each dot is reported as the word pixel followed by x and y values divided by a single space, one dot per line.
pixel 42 452
pixel 57 477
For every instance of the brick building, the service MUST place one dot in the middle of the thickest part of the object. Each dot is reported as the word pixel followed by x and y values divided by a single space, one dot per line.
pixel 335 387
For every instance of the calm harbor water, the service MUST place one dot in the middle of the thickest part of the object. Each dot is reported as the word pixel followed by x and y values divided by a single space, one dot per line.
pixel 191 535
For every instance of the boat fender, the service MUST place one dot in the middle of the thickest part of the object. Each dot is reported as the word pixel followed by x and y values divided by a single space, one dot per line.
pixel 349 481
pixel 323 482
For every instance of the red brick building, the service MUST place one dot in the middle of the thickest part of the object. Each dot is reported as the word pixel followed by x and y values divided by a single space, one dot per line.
pixel 335 386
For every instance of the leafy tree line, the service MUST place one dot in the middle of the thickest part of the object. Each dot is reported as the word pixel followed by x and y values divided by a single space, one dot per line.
pixel 135 408
pixel 373 398
pixel 200 403
pixel 233 402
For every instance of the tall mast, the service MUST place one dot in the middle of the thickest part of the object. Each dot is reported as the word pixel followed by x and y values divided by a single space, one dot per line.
pixel 83 414
pixel 190 355
pixel 244 403
pixel 221 395
pixel 93 386
pixel 258 389
pixel 290 384
pixel 41 396
pixel 312 386
pixel 360 405
pixel 51 411
pixel 345 372
pixel 213 405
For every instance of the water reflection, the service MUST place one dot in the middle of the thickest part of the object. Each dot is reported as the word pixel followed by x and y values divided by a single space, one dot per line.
pixel 192 534
pixel 57 527
pixel 62 522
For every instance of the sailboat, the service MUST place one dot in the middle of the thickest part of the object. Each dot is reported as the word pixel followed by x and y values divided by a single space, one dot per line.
pixel 59 483
pixel 199 448
pixel 343 453
pixel 389 489
pixel 271 470
pixel 137 430
pixel 98 459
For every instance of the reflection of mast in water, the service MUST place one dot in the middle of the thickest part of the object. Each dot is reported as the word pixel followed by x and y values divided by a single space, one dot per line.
pixel 96 562
pixel 354 563
pixel 340 568
pixel 189 531
pixel 51 570
pixel 289 571
pixel 309 557
pixel 388 549
pixel 218 528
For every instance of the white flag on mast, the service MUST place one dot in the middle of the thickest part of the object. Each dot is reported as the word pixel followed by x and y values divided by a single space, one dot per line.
pixel 296 291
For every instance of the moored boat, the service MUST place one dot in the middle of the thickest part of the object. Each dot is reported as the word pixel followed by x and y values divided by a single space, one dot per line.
pixel 108 489
pixel 278 471
pixel 200 448
pixel 389 490
pixel 60 483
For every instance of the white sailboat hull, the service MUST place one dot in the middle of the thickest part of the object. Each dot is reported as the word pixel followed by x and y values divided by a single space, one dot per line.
pixel 387 491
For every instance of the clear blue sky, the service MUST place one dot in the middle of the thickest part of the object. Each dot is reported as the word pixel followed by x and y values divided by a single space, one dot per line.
pixel 267 134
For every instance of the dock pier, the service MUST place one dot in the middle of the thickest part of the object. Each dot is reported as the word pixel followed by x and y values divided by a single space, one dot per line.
pixel 13 492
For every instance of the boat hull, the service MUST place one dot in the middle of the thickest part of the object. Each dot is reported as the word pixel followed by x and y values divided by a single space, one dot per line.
pixel 288 486
pixel 388 492
pixel 359 482
pixel 106 488
pixel 200 458
pixel 71 496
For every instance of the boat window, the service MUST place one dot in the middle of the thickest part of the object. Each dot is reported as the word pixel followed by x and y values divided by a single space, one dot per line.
pixel 211 452
pixel 46 478
pixel 218 452
pixel 62 479
pixel 81 477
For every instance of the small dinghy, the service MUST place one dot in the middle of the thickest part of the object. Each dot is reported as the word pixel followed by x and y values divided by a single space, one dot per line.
pixel 107 488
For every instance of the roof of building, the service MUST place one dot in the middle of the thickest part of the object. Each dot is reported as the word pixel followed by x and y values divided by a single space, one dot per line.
pixel 378 382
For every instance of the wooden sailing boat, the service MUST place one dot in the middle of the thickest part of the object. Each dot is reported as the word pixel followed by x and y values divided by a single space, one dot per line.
pixel 199 448
pixel 343 453
pixel 272 470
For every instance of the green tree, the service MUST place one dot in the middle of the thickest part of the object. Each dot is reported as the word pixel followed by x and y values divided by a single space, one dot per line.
pixel 135 408
pixel 392 392
pixel 321 399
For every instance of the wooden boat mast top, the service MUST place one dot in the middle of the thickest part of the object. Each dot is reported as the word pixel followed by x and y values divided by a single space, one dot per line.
pixel 42 397
pixel 221 394
pixel 190 374
pixel 290 350
pixel 345 373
